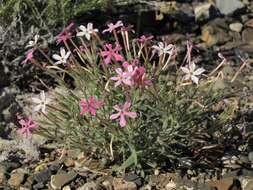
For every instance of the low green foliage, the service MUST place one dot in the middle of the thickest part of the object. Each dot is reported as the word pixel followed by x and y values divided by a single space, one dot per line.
pixel 51 12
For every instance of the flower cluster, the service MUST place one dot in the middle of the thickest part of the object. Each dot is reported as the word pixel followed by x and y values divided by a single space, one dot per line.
pixel 126 100
pixel 129 71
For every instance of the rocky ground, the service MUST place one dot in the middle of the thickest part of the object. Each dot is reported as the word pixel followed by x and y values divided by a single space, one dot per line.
pixel 216 26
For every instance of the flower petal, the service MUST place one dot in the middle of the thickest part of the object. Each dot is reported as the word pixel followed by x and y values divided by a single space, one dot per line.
pixel 67 55
pixel 126 106
pixel 79 34
pixel 62 52
pixel 118 57
pixel 186 77
pixel 36 100
pixel 108 59
pixel 195 79
pixel 118 83
pixel 117 107
pixel 122 121
pixel 37 108
pixel 131 114
pixel 199 71
pixel 185 70
pixel 114 116
pixel 42 96
pixel 115 78
pixel 119 71
pixel 192 67
pixel 89 26
pixel 87 35
pixel 56 57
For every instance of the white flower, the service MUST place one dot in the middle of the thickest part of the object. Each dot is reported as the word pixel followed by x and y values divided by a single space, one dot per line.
pixel 191 72
pixel 162 48
pixel 86 31
pixel 34 42
pixel 40 102
pixel 61 58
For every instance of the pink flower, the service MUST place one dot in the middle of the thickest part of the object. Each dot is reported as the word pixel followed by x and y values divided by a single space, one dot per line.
pixel 29 56
pixel 134 63
pixel 65 34
pixel 122 113
pixel 139 77
pixel 123 77
pixel 27 126
pixel 90 106
pixel 111 53
pixel 143 39
pixel 112 26
pixel 125 64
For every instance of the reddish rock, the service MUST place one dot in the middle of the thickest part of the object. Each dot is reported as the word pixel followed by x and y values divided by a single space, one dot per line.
pixel 249 23
pixel 247 35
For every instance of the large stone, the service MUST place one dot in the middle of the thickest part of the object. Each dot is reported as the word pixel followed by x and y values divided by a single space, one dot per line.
pixel 204 11
pixel 43 176
pixel 247 35
pixel 246 182
pixel 61 179
pixel 215 32
pixel 228 7
pixel 16 179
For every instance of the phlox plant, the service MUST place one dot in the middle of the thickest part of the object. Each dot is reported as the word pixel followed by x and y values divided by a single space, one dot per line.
pixel 127 101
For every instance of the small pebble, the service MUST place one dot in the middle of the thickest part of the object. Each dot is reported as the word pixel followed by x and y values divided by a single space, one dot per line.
pixel 236 27
pixel 66 188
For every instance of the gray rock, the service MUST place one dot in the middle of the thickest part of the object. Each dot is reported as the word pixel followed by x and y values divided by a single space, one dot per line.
pixel 42 176
pixel 61 179
pixel 54 167
pixel 245 172
pixel 236 27
pixel 9 166
pixel 4 80
pixel 133 178
pixel 227 7
pixel 6 98
pixel 250 155
pixel 38 186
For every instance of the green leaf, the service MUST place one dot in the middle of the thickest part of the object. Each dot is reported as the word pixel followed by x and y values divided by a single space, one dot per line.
pixel 131 160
